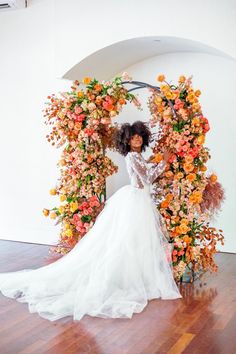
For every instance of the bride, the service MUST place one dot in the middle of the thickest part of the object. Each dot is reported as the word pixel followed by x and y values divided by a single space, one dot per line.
pixel 120 263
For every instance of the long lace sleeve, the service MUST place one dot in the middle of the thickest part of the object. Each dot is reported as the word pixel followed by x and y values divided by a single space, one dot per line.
pixel 145 173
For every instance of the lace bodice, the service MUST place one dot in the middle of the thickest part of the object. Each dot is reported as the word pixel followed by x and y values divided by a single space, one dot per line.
pixel 140 173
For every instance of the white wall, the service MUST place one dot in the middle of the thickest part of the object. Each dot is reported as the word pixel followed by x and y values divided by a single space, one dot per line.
pixel 82 27
pixel 34 52
pixel 216 78
pixel 28 162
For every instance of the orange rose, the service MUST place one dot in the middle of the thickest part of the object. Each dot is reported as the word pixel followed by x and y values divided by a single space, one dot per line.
pixel 196 197
pixel 191 177
pixel 179 175
pixel 188 159
pixel 187 239
pixel 98 87
pixel 182 229
pixel 188 167
pixel 184 221
pixel 203 168
pixel 169 174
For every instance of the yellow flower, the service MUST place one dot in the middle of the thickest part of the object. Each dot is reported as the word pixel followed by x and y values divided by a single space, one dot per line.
pixel 157 100
pixel 53 215
pixel 61 209
pixel 69 232
pixel 62 197
pixel 73 207
pixel 67 225
pixel 87 80
pixel 169 95
pixel 182 79
pixel 197 93
pixel 161 78
pixel 164 87
pixel 53 191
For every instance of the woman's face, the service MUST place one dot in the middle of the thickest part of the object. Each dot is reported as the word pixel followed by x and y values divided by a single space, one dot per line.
pixel 136 142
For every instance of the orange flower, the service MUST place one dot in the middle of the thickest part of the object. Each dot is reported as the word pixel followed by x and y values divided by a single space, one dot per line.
pixel 201 139
pixel 179 175
pixel 213 178
pixel 187 239
pixel 188 159
pixel 191 177
pixel 157 100
pixel 164 204
pixel 182 79
pixel 80 94
pixel 184 221
pixel 98 87
pixel 188 167
pixel 122 101
pixel 157 158
pixel 196 121
pixel 45 212
pixel 169 197
pixel 197 93
pixel 182 229
pixel 161 77
pixel 203 168
pixel 87 80
pixel 169 174
pixel 196 197
pixel 53 191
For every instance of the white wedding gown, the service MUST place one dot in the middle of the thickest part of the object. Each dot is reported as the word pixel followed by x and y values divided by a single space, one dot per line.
pixel 114 269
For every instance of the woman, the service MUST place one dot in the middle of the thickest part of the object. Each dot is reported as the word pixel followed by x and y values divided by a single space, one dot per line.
pixel 119 264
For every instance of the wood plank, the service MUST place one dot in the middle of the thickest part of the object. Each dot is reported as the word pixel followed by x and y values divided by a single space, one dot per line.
pixel 204 321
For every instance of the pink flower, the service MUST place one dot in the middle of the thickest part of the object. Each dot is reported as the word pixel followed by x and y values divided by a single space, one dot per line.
pixel 78 109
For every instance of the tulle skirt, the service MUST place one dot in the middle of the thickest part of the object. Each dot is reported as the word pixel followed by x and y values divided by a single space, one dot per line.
pixel 112 272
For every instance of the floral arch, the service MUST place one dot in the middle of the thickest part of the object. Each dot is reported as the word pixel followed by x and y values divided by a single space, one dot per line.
pixel 81 121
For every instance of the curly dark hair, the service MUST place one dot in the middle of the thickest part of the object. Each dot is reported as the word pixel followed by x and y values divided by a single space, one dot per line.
pixel 126 131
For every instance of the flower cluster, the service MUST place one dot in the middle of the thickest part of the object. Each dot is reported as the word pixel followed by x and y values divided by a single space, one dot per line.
pixel 181 188
pixel 82 122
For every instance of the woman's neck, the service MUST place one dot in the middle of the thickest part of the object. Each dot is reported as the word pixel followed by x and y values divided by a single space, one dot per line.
pixel 136 150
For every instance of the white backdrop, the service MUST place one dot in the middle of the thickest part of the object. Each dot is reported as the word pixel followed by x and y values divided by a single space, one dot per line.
pixel 33 56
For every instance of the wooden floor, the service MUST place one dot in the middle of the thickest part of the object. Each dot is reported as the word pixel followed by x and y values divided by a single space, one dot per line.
pixel 204 321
